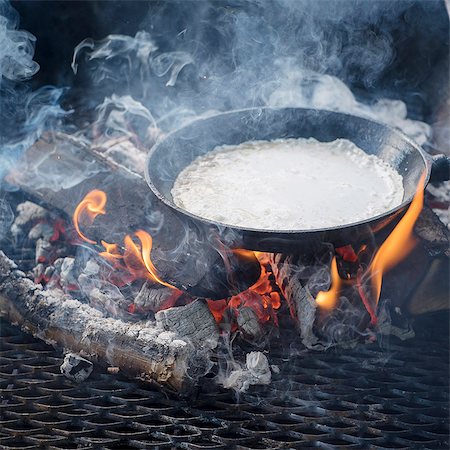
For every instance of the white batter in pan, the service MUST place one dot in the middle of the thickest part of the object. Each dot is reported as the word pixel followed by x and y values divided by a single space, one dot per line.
pixel 288 184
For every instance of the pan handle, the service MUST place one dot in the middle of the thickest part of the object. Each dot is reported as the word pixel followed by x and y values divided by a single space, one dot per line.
pixel 440 168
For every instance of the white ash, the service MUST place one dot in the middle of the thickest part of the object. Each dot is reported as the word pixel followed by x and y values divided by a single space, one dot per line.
pixel 255 372
pixel 193 322
pixel 91 268
pixel 41 230
pixel 38 271
pixel 44 250
pixel 108 298
pixel 248 323
pixel 65 268
pixel 27 212
pixel 102 294
pixel 76 368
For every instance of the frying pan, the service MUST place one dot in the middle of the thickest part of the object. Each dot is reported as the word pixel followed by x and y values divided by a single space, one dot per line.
pixel 179 148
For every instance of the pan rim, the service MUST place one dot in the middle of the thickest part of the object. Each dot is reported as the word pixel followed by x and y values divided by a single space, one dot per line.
pixel 280 232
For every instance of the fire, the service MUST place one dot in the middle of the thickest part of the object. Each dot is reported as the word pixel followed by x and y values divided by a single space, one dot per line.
pixel 328 299
pixel 394 249
pixel 260 297
pixel 87 210
pixel 133 260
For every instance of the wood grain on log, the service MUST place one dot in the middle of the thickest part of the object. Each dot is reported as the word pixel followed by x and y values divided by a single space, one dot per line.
pixel 140 350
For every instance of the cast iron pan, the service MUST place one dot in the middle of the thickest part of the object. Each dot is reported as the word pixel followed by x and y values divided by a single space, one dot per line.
pixel 178 149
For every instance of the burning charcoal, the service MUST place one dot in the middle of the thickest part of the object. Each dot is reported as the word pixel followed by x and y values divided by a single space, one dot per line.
pixel 76 368
pixel 49 270
pixel 302 305
pixel 44 250
pixel 108 298
pixel 193 322
pixel 27 212
pixel 66 268
pixel 38 272
pixel 154 297
pixel 248 323
pixel 256 371
pixel 41 230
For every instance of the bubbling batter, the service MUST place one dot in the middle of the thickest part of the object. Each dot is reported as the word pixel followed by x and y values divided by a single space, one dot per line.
pixel 288 184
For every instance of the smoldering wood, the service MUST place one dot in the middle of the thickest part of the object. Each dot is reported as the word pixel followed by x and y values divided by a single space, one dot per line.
pixel 183 255
pixel 76 368
pixel 44 250
pixel 153 296
pixel 301 304
pixel 248 323
pixel 419 284
pixel 140 349
pixel 193 321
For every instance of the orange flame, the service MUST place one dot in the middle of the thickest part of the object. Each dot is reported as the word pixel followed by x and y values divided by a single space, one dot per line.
pixel 328 299
pixel 398 244
pixel 147 243
pixel 87 210
pixel 394 249
pixel 135 258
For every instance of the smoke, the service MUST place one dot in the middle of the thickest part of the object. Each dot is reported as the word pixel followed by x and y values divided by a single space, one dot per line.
pixel 187 62
pixel 24 114
pixel 205 58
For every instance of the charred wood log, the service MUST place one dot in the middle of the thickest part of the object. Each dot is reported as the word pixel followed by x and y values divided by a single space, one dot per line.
pixel 419 284
pixel 153 297
pixel 302 306
pixel 140 350
pixel 193 321
pixel 59 171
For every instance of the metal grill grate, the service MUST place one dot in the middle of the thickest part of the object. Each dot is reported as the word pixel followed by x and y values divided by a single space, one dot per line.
pixel 368 397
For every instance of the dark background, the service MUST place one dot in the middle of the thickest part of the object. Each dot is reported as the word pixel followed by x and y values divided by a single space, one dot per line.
pixel 417 73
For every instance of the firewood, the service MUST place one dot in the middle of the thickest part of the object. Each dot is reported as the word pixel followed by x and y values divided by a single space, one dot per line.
pixel 248 323
pixel 153 297
pixel 183 255
pixel 193 321
pixel 140 349
pixel 301 304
